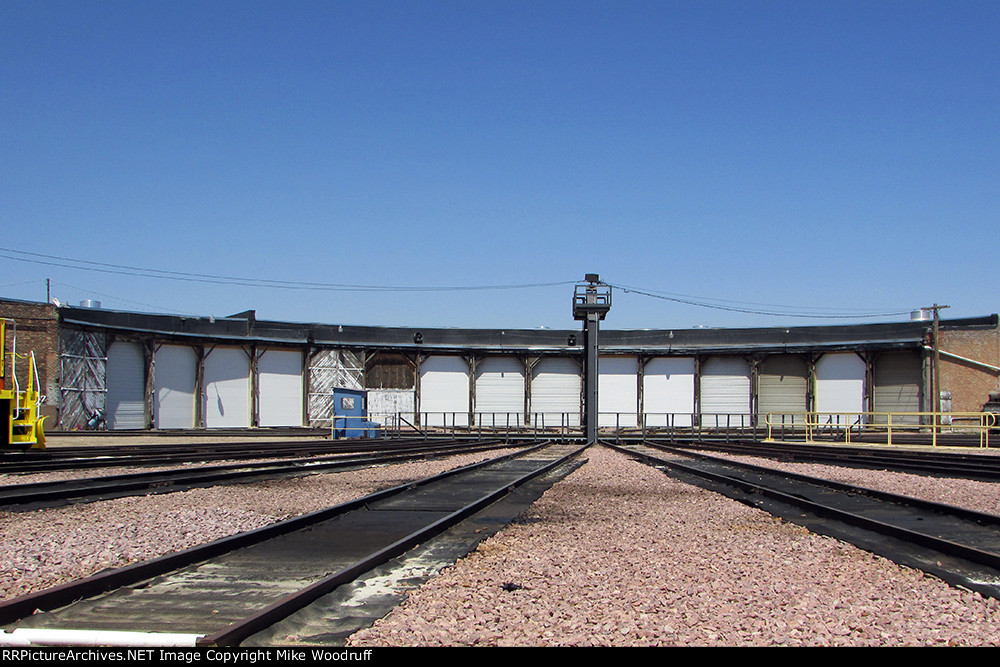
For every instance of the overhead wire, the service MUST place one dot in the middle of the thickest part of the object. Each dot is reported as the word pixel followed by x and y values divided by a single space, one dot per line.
pixel 702 302
pixel 119 269
pixel 775 311
pixel 90 292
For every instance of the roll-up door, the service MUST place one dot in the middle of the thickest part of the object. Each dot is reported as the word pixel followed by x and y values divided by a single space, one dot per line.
pixel 898 378
pixel 840 387
pixel 668 391
pixel 725 392
pixel 556 387
pixel 444 391
pixel 500 391
pixel 618 391
pixel 280 388
pixel 227 388
pixel 126 377
pixel 781 388
pixel 174 369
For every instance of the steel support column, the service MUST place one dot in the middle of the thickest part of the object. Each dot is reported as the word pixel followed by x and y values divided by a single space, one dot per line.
pixel 591 302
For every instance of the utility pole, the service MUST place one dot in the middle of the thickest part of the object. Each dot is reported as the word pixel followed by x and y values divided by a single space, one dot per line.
pixel 591 302
pixel 936 383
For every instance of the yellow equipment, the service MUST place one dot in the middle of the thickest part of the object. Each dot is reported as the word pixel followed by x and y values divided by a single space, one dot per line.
pixel 22 427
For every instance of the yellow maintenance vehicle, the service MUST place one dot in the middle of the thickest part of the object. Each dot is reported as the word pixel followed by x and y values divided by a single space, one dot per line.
pixel 22 427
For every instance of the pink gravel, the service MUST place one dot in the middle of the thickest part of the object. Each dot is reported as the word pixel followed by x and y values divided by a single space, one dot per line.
pixel 619 554
pixel 47 547
pixel 968 494
pixel 616 554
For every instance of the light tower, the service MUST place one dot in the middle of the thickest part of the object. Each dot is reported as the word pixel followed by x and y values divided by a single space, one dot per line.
pixel 591 302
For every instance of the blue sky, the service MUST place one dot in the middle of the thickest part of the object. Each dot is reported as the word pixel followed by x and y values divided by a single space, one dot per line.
pixel 799 158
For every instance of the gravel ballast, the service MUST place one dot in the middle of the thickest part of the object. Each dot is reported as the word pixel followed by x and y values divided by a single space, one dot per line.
pixel 619 554
pixel 616 554
pixel 964 493
pixel 47 547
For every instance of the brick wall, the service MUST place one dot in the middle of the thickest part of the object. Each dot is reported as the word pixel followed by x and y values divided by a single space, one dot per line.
pixel 970 385
pixel 37 329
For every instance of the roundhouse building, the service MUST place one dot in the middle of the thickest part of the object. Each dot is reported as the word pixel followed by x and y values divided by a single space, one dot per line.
pixel 148 371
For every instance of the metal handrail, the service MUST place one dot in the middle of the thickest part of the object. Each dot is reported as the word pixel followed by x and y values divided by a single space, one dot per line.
pixel 813 423
pixel 13 359
pixel 772 425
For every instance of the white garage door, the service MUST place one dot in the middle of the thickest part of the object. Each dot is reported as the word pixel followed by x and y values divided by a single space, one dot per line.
pixel 500 392
pixel 618 391
pixel 668 391
pixel 280 388
pixel 781 388
pixel 840 386
pixel 126 377
pixel 556 387
pixel 725 392
pixel 898 377
pixel 444 391
pixel 227 388
pixel 174 369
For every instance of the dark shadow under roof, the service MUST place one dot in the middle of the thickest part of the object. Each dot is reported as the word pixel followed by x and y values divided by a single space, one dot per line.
pixel 246 329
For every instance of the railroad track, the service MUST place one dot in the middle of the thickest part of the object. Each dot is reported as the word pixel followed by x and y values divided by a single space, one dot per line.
pixel 34 495
pixel 224 592
pixel 106 456
pixel 981 467
pixel 959 546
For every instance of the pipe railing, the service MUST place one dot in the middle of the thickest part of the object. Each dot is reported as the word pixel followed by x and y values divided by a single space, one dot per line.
pixel 569 424
pixel 771 426
pixel 848 426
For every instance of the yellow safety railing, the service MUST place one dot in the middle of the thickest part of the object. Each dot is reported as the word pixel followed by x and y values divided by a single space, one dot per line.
pixel 22 426
pixel 846 426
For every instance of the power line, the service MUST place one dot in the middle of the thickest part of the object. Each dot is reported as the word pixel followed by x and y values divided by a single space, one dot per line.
pixel 119 269
pixel 89 292
pixel 701 302
pixel 788 311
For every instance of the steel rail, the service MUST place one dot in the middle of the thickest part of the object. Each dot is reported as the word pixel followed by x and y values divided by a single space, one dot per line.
pixel 139 455
pixel 57 597
pixel 967 466
pixel 14 496
pixel 295 601
pixel 973 554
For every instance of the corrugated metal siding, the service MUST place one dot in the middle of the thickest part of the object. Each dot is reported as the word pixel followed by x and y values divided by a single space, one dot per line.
pixel 226 397
pixel 556 392
pixel 840 383
pixel 280 388
pixel 500 391
pixel 782 383
pixel 725 392
pixel 126 372
pixel 618 391
pixel 174 371
pixel 668 391
pixel 898 377
pixel 444 391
